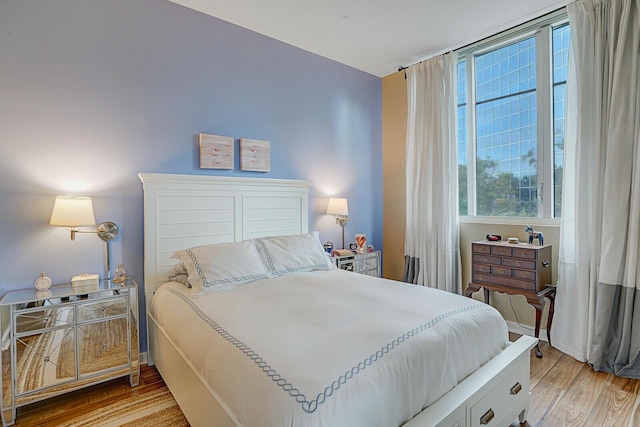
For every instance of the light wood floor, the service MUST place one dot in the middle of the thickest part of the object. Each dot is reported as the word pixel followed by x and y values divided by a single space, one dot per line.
pixel 56 411
pixel 564 392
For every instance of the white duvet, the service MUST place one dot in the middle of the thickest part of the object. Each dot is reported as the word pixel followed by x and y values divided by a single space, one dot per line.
pixel 329 348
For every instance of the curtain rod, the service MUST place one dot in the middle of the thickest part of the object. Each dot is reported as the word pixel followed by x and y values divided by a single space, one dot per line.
pixel 544 17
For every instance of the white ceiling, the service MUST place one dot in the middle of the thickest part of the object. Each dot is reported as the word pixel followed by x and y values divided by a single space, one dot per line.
pixel 376 36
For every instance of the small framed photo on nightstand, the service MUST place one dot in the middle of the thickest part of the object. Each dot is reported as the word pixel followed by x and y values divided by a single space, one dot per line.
pixel 361 243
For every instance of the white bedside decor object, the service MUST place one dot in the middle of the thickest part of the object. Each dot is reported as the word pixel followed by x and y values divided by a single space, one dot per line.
pixel 85 282
pixel 43 282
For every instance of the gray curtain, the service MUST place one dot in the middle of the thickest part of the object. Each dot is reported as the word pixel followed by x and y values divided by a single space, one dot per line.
pixel 411 269
pixel 615 345
pixel 598 307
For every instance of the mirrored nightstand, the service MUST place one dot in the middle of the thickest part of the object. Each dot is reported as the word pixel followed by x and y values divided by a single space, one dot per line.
pixel 367 263
pixel 57 341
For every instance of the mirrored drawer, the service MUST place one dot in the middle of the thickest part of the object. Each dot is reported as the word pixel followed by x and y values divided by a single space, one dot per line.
pixel 103 346
pixel 41 318
pixel 45 359
pixel 102 308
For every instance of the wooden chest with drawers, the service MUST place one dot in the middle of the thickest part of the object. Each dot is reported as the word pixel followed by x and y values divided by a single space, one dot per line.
pixel 520 266
pixel 515 269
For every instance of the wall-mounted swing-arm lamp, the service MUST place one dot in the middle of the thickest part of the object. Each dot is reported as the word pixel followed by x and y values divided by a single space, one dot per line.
pixel 340 208
pixel 77 211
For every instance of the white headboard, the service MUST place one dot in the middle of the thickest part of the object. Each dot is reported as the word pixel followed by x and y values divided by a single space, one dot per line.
pixel 182 211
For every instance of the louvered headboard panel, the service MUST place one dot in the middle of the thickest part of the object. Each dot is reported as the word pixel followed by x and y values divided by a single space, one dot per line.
pixel 182 211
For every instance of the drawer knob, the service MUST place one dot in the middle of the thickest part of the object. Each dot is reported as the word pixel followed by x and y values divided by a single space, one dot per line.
pixel 487 417
pixel 545 263
pixel 515 389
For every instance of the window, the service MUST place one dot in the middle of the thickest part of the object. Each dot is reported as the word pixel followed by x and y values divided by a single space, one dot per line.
pixel 510 90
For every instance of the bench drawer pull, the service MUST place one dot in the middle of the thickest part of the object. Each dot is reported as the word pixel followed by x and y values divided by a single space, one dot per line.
pixel 515 389
pixel 487 417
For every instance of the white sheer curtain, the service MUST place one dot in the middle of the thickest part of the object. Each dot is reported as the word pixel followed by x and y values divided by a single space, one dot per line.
pixel 598 297
pixel 432 253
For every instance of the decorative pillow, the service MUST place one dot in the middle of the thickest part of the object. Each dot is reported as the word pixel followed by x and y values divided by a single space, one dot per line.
pixel 221 266
pixel 288 254
pixel 180 275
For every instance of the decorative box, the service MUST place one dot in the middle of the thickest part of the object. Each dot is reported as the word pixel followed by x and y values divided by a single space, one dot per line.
pixel 85 282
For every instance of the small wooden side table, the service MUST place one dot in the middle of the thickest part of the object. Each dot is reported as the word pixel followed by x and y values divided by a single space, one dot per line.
pixel 515 269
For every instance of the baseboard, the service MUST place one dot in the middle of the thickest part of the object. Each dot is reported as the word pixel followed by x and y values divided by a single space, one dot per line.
pixel 517 328
pixel 143 358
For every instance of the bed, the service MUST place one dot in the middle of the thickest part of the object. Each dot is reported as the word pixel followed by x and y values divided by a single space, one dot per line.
pixel 300 345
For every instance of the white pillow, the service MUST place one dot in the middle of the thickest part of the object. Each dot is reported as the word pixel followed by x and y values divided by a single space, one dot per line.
pixel 289 254
pixel 221 266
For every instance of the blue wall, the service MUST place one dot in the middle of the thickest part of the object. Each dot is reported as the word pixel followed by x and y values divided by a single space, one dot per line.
pixel 93 92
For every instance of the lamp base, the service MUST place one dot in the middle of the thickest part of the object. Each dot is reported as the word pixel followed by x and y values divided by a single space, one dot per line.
pixel 108 231
pixel 341 221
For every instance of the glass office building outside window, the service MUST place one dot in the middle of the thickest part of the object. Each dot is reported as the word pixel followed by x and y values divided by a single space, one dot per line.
pixel 560 58
pixel 509 90
pixel 462 138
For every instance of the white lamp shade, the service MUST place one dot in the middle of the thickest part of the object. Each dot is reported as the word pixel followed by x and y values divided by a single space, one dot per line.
pixel 338 206
pixel 72 211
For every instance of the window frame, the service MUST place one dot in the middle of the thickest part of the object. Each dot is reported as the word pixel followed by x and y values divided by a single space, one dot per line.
pixel 541 28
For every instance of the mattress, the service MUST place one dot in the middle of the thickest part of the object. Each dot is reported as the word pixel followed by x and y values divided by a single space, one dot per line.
pixel 329 348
